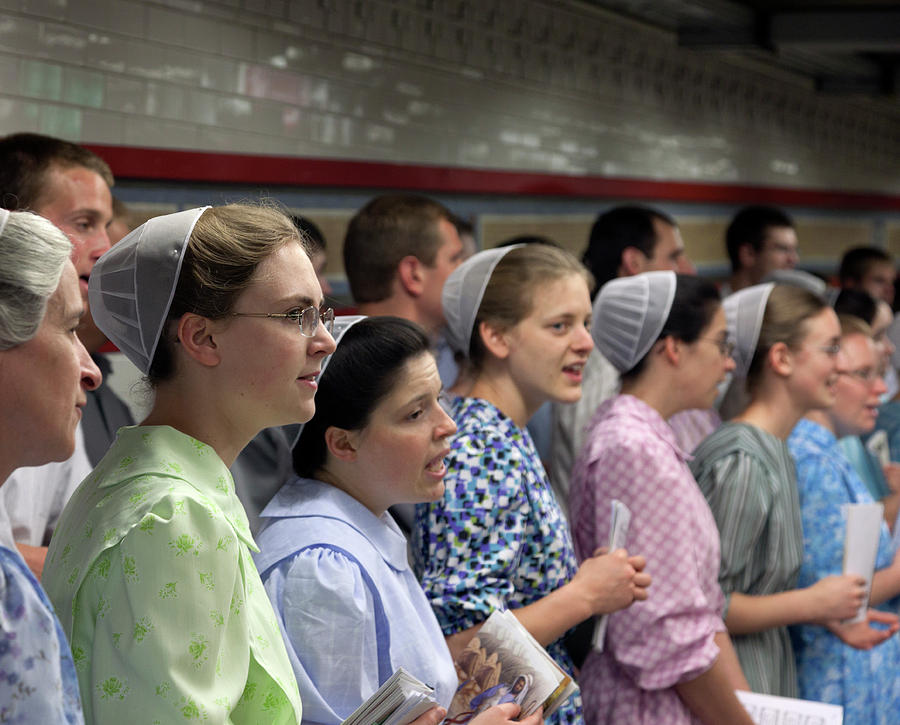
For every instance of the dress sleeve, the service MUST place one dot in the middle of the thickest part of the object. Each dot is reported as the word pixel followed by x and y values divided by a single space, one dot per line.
pixel 740 502
pixel 171 635
pixel 668 638
pixel 468 543
pixel 326 609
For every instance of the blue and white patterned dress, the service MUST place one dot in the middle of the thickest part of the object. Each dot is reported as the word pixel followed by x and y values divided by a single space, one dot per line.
pixel 864 682
pixel 497 539
pixel 38 684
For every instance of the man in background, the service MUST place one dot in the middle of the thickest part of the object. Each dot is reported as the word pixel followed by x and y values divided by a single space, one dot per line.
pixel 70 186
pixel 398 252
pixel 869 269
pixel 759 240
pixel 624 241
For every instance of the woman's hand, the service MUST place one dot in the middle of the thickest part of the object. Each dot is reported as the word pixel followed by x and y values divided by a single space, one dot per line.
pixel 609 582
pixel 504 714
pixel 431 717
pixel 862 635
pixel 837 597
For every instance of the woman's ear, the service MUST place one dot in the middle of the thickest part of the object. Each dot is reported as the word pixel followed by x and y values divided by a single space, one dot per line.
pixel 670 348
pixel 195 336
pixel 495 339
pixel 781 359
pixel 341 443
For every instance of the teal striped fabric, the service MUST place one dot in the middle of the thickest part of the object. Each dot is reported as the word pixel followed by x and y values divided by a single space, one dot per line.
pixel 749 479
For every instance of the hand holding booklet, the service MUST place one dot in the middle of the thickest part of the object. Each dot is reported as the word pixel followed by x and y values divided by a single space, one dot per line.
pixel 502 663
pixel 861 545
pixel 620 519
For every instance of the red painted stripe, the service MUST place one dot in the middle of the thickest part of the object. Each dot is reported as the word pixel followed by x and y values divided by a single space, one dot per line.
pixel 128 162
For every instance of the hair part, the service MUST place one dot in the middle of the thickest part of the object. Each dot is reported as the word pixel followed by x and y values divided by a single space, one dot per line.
pixel 382 233
pixel 694 305
pixel 750 226
pixel 785 320
pixel 225 249
pixel 33 254
pixel 366 366
pixel 508 296
pixel 27 158
pixel 616 230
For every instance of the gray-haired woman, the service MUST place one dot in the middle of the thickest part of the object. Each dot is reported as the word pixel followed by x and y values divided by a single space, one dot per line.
pixel 44 371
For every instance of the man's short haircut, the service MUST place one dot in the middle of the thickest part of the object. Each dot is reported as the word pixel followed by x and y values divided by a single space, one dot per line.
pixel 750 226
pixel 614 231
pixel 25 159
pixel 382 233
pixel 857 262
pixel 463 226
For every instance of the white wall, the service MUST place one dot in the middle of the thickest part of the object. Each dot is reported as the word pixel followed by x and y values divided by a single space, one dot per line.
pixel 509 84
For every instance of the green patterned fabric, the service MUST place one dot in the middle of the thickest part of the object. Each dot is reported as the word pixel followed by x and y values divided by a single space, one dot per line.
pixel 151 575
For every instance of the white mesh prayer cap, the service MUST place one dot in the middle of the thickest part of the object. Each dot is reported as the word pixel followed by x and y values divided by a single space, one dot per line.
pixel 629 315
pixel 341 325
pixel 463 292
pixel 798 278
pixel 744 311
pixel 132 285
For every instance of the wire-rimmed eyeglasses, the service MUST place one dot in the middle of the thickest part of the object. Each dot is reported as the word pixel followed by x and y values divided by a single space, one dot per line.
pixel 866 376
pixel 308 318
pixel 726 347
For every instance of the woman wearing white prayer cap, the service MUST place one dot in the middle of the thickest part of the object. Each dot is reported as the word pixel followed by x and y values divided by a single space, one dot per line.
pixel 44 371
pixel 669 659
pixel 150 566
pixel 787 341
pixel 497 538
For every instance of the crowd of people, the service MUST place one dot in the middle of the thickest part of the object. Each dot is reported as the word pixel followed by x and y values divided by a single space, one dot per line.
pixel 313 502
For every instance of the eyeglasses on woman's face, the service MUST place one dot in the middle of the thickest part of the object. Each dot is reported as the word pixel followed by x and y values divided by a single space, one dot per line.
pixel 726 346
pixel 308 318
pixel 866 375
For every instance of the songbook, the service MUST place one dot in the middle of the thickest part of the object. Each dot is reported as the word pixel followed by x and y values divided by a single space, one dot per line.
pixel 399 701
pixel 620 519
pixel 504 663
pixel 774 710
pixel 861 545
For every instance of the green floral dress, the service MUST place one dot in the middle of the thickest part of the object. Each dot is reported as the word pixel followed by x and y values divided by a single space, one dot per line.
pixel 151 575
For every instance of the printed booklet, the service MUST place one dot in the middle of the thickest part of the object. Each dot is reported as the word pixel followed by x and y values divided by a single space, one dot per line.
pixel 502 663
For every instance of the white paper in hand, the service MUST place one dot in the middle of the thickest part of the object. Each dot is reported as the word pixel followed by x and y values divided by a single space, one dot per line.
pixel 620 518
pixel 861 545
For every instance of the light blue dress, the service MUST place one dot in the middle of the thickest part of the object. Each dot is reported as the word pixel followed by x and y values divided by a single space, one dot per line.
pixel 866 683
pixel 349 607
pixel 38 684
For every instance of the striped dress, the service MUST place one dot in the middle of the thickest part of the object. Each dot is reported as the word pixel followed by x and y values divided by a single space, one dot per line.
pixel 748 477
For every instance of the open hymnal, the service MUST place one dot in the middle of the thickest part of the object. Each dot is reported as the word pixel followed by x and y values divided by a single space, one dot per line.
pixel 773 710
pixel 620 518
pixel 504 663
pixel 399 701
pixel 864 522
